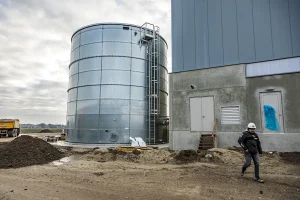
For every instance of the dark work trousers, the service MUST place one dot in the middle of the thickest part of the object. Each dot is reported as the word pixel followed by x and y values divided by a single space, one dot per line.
pixel 248 157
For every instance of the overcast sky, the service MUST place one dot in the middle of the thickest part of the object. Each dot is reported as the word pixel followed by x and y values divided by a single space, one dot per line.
pixel 35 48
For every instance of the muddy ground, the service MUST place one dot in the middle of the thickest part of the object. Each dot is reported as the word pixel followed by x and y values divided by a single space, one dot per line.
pixel 152 174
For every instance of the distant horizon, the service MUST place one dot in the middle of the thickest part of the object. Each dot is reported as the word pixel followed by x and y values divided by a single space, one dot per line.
pixel 40 123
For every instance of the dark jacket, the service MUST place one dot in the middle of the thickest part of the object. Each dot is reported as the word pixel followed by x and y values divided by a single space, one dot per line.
pixel 250 141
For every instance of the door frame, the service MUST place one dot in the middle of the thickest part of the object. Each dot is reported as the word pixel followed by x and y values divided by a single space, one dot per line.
pixel 190 117
pixel 261 112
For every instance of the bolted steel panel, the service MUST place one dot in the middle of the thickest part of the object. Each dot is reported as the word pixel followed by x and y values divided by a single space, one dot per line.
pixel 108 85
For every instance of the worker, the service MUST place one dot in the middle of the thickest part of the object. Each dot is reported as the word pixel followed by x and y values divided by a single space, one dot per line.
pixel 249 141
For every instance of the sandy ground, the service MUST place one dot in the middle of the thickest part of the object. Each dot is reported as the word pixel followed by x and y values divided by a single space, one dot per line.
pixel 92 174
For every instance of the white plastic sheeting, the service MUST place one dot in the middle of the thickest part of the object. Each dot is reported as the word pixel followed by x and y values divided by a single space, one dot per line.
pixel 137 142
pixel 273 67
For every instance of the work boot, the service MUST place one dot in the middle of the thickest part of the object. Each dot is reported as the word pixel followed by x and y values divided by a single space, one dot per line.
pixel 242 173
pixel 259 180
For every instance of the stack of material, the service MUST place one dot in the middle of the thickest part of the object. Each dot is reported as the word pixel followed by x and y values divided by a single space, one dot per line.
pixel 25 151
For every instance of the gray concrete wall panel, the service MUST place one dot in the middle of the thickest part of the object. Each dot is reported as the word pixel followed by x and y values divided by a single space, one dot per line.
pixel 205 84
pixel 289 86
pixel 231 76
pixel 244 92
pixel 288 142
pixel 184 140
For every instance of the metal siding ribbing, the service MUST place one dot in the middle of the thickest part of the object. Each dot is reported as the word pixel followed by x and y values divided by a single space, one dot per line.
pixel 262 30
pixel 281 31
pixel 188 31
pixel 245 31
pixel 210 33
pixel 294 8
pixel 215 33
pixel 202 58
pixel 230 38
pixel 177 46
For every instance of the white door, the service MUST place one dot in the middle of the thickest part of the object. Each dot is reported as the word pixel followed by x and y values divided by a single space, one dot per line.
pixel 196 114
pixel 202 113
pixel 207 113
pixel 271 112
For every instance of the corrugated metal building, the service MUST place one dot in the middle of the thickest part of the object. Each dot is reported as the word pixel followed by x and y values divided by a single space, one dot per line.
pixel 235 61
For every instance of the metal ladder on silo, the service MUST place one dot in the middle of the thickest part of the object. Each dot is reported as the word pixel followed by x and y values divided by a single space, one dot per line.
pixel 151 38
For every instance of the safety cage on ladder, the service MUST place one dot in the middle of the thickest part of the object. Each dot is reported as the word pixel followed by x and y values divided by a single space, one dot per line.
pixel 149 37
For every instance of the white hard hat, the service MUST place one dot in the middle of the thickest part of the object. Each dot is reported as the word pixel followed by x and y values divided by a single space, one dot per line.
pixel 251 125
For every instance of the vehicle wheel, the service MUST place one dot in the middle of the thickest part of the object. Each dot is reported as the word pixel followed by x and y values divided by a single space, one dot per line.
pixel 15 133
pixel 10 134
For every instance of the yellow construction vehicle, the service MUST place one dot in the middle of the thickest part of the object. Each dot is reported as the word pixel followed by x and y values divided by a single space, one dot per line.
pixel 9 127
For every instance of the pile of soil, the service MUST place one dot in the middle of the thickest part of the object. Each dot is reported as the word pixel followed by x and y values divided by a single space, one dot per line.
pixel 2 144
pixel 156 156
pixel 104 155
pixel 141 156
pixel 186 156
pixel 237 149
pixel 45 131
pixel 290 157
pixel 226 156
pixel 26 151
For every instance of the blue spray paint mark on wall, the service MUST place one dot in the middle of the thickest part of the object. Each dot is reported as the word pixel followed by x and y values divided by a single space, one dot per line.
pixel 270 117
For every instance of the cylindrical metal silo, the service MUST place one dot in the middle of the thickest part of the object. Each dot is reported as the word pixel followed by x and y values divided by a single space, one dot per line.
pixel 108 93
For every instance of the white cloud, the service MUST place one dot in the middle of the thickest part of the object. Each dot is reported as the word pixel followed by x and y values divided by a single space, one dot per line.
pixel 35 48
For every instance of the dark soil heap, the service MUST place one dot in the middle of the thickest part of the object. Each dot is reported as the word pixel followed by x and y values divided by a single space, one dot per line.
pixel 291 157
pixel 186 156
pixel 25 151
pixel 46 131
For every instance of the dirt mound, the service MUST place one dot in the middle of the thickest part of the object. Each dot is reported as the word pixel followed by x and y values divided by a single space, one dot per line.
pixel 155 156
pixel 226 156
pixel 138 156
pixel 186 156
pixel 25 151
pixel 238 149
pixel 104 155
pixel 290 157
pixel 45 131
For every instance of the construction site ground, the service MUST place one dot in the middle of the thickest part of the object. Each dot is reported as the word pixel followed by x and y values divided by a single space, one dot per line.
pixel 151 174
